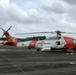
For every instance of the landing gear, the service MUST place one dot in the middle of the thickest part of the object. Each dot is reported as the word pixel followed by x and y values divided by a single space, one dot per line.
pixel 68 50
pixel 64 50
pixel 38 49
pixel 29 48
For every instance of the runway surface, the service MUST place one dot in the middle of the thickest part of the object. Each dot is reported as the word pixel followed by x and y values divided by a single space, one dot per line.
pixel 22 61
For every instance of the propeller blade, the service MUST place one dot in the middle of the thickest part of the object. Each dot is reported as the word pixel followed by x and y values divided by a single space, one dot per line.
pixel 2 29
pixel 2 35
pixel 69 32
pixel 32 33
pixel 9 28
pixel 58 32
pixel 64 32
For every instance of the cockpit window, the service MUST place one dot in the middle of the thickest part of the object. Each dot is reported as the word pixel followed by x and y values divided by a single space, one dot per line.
pixel 57 42
pixel 74 41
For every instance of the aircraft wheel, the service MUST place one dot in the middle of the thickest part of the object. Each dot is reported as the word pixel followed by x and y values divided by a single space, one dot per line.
pixel 70 50
pixel 38 49
pixel 64 50
pixel 29 48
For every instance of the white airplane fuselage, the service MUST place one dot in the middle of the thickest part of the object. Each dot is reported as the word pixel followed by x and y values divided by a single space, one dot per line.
pixel 43 44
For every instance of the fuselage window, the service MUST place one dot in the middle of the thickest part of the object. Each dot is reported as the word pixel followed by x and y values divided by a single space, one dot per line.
pixel 57 42
pixel 74 41
pixel 23 44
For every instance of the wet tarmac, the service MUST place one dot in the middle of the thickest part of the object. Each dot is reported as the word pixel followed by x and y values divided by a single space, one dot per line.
pixel 22 61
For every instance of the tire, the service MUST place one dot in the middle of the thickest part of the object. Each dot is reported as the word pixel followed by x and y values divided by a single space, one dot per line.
pixel 64 50
pixel 38 49
pixel 70 50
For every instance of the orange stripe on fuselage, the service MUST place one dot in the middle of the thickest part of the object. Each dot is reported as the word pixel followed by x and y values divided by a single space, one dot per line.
pixel 10 40
pixel 33 44
pixel 69 43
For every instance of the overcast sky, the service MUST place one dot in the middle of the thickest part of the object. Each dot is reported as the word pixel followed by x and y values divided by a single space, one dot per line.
pixel 37 15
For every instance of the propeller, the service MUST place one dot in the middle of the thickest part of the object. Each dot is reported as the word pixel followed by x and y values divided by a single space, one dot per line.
pixel 6 30
pixel 2 29
pixel 57 31
pixel 64 32
pixel 31 33
pixel 9 28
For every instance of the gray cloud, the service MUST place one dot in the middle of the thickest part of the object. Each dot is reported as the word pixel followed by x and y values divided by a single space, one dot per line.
pixel 55 7
pixel 72 12
pixel 73 2
pixel 12 12
pixel 59 17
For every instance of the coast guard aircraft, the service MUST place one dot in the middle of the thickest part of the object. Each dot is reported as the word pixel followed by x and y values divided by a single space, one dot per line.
pixel 52 43
pixel 41 43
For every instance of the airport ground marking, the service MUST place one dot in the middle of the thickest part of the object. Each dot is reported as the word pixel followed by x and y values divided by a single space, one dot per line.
pixel 13 64
pixel 72 63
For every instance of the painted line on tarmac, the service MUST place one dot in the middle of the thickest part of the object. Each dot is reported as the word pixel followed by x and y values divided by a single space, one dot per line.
pixel 69 53
pixel 14 64
pixel 72 63
pixel 3 49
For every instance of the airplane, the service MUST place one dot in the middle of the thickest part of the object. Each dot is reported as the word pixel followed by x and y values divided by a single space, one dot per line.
pixel 42 43
pixel 8 40
pixel 64 43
